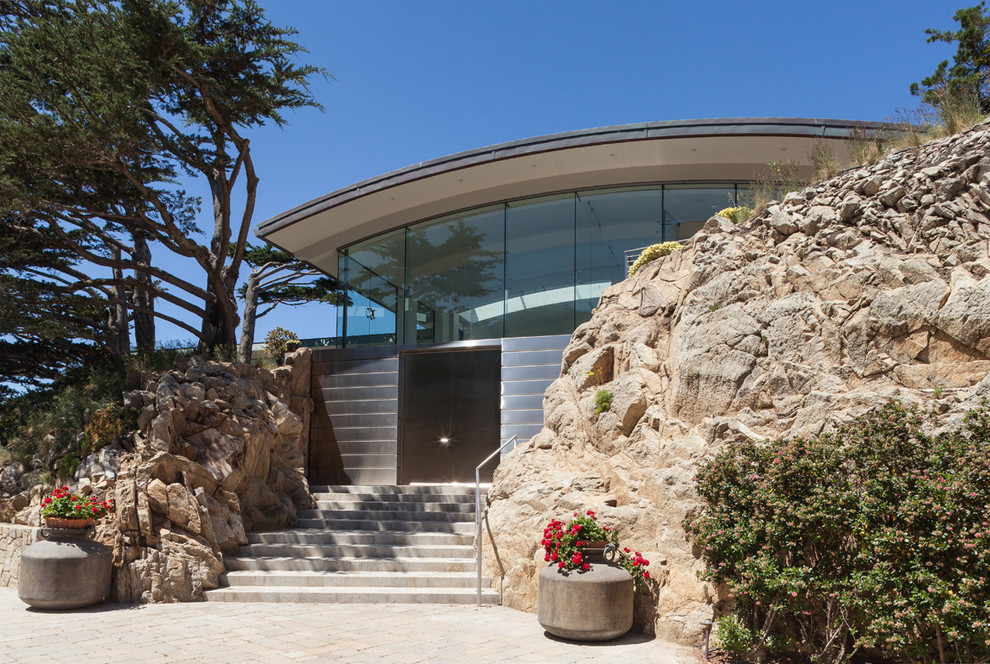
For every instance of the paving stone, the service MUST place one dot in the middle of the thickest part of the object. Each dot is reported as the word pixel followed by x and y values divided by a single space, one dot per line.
pixel 290 633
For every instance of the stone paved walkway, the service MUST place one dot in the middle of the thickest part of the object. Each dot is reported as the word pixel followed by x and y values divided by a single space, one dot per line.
pixel 284 633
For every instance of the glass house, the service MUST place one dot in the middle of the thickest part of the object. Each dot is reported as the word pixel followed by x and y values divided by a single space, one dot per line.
pixel 466 275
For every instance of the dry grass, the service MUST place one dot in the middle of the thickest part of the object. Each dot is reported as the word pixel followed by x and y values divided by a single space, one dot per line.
pixel 824 161
pixel 773 183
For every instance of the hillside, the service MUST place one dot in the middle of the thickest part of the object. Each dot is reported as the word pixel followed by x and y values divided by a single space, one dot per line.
pixel 872 286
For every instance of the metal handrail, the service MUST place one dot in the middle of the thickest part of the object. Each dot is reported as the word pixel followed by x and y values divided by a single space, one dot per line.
pixel 477 505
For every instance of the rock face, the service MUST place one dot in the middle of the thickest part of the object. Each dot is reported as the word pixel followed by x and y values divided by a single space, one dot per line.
pixel 872 286
pixel 220 450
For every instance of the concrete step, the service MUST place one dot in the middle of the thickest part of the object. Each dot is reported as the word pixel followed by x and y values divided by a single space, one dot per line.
pixel 393 544
pixel 399 498
pixel 357 551
pixel 387 515
pixel 352 595
pixel 398 490
pixel 355 579
pixel 366 537
pixel 348 564
pixel 461 527
pixel 388 506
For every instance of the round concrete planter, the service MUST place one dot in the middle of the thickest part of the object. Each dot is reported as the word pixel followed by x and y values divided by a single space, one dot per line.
pixel 66 570
pixel 56 522
pixel 596 605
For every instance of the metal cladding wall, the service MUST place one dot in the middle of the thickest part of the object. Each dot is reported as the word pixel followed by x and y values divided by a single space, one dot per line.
pixel 529 365
pixel 354 431
pixel 353 436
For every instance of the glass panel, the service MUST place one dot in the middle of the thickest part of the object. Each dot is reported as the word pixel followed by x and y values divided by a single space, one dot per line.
pixel 456 278
pixel 686 208
pixel 373 273
pixel 610 223
pixel 539 267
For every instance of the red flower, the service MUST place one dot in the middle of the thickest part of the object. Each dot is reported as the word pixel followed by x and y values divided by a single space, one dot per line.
pixel 585 567
pixel 646 575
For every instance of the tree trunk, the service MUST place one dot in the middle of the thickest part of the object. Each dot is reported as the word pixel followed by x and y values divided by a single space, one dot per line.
pixel 250 311
pixel 144 321
pixel 120 341
pixel 220 320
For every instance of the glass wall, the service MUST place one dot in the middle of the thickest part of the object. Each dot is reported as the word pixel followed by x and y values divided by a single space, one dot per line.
pixel 373 272
pixel 455 276
pixel 609 223
pixel 539 267
pixel 524 268
pixel 686 208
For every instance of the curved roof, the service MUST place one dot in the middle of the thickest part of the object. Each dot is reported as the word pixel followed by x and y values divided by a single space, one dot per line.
pixel 728 149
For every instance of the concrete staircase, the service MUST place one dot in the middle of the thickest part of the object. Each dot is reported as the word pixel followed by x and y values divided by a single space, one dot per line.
pixel 379 544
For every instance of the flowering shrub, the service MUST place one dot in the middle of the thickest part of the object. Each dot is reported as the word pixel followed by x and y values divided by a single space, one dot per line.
pixel 64 505
pixel 563 544
pixel 874 536
pixel 735 214
pixel 653 252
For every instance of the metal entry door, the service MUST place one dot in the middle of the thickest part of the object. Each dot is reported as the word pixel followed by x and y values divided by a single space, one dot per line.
pixel 449 414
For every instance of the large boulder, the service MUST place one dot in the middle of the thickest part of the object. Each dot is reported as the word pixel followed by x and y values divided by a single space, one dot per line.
pixel 872 286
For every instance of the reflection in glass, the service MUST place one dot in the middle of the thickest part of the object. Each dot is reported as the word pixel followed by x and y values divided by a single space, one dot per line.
pixel 539 267
pixel 525 268
pixel 373 275
pixel 609 223
pixel 686 208
pixel 455 277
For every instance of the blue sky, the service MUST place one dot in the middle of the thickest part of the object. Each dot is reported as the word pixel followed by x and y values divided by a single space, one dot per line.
pixel 415 80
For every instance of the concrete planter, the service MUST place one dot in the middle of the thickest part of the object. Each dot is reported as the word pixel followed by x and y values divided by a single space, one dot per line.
pixel 67 570
pixel 596 605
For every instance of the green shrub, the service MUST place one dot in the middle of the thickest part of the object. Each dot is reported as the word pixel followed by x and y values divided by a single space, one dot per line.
pixel 653 252
pixel 874 536
pixel 277 343
pixel 603 401
pixel 733 636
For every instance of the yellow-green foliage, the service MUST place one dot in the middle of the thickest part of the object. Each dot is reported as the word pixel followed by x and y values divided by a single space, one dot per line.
pixel 277 342
pixel 735 214
pixel 653 252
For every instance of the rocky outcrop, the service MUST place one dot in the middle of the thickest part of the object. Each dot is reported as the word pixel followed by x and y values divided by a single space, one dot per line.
pixel 219 451
pixel 872 286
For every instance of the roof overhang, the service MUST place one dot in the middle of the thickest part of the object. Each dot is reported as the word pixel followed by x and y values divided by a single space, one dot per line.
pixel 695 150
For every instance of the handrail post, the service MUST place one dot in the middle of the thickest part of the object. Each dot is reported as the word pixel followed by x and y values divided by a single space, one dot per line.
pixel 477 506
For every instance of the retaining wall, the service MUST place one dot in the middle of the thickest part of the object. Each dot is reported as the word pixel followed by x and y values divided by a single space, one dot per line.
pixel 13 540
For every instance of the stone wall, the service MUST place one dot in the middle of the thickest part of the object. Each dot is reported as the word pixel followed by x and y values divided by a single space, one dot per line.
pixel 13 540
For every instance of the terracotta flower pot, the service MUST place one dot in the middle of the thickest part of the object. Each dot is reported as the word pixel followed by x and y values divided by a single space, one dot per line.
pixel 56 522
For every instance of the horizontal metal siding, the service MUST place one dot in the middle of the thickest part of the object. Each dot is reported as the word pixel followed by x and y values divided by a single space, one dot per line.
pixel 354 431
pixel 529 365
